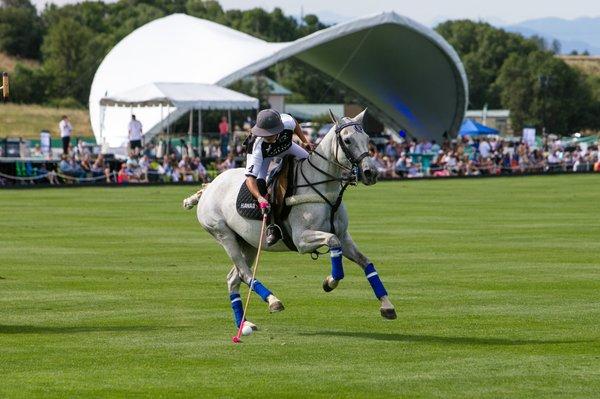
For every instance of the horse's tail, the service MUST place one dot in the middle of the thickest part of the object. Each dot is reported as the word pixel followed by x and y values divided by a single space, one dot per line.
pixel 191 201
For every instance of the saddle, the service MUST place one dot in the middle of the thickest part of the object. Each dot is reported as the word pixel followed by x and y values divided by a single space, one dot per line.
pixel 279 187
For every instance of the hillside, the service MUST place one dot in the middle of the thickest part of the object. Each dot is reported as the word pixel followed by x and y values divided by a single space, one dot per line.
pixel 18 120
pixel 588 65
pixel 8 63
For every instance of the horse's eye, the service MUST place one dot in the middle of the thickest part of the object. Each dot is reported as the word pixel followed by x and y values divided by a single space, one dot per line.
pixel 347 141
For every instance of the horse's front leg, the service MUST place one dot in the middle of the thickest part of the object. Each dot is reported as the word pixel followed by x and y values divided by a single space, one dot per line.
pixel 311 240
pixel 351 252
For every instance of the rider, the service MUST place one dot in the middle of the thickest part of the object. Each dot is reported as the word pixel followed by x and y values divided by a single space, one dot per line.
pixel 271 137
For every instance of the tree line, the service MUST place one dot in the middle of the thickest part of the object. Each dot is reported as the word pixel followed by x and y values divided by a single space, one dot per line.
pixel 504 69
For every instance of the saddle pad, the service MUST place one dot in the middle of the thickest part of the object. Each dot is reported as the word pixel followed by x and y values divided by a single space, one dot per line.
pixel 247 205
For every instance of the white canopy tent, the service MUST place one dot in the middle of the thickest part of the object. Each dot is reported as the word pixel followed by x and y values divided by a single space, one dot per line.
pixel 407 74
pixel 182 96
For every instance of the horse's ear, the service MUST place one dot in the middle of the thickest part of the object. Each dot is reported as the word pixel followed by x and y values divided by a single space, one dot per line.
pixel 359 118
pixel 333 117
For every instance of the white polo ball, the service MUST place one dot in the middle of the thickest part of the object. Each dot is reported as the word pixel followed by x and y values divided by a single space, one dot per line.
pixel 246 330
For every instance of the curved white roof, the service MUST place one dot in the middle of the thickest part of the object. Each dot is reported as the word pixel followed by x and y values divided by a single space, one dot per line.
pixel 406 73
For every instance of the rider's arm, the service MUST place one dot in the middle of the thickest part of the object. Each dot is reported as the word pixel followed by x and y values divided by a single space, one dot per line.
pixel 253 187
pixel 254 162
pixel 298 131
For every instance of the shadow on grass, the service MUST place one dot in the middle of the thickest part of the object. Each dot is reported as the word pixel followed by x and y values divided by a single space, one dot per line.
pixel 433 339
pixel 28 329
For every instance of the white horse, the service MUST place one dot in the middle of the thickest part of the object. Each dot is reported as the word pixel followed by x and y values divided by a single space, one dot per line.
pixel 320 181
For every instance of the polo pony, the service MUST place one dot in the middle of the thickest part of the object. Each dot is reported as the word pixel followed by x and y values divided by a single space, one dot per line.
pixel 317 217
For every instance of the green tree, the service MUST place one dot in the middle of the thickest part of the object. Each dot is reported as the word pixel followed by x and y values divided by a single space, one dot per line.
pixel 29 85
pixel 71 57
pixel 206 9
pixel 20 28
pixel 542 90
pixel 483 50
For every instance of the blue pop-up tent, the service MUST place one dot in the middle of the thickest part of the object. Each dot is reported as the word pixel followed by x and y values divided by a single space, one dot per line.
pixel 471 128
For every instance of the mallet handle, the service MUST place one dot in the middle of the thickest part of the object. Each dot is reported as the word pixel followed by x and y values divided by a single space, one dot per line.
pixel 262 236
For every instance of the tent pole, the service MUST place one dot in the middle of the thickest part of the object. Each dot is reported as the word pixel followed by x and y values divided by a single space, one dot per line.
pixel 230 144
pixel 191 126
pixel 168 130
pixel 200 146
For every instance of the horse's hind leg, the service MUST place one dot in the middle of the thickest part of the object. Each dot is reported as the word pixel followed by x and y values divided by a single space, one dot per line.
pixel 242 256
pixel 351 252
pixel 233 285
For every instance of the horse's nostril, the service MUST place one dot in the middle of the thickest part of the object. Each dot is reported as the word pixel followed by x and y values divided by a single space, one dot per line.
pixel 368 173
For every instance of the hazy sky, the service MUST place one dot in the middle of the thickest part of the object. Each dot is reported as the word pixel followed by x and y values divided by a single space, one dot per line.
pixel 426 11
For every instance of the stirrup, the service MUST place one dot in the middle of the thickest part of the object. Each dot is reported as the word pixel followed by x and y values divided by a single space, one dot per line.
pixel 274 234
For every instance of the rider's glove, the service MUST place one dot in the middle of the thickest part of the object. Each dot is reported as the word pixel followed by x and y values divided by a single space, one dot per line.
pixel 309 146
pixel 265 207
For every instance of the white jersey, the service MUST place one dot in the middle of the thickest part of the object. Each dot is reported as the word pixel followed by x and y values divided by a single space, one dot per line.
pixel 135 130
pixel 65 128
pixel 261 154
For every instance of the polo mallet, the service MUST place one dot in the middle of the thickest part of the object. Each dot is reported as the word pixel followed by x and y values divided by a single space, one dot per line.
pixel 236 339
pixel 5 87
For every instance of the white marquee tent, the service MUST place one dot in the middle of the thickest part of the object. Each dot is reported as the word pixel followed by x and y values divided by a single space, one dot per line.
pixel 407 74
pixel 181 96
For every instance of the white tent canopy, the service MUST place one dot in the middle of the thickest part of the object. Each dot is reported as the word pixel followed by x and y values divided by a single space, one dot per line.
pixel 406 73
pixel 182 95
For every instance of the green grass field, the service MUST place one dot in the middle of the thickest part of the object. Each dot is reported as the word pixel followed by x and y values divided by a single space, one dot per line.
pixel 117 292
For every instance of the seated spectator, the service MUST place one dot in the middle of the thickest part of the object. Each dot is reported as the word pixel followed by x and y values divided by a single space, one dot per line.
pixel 185 169
pixel 228 163
pixel 414 171
pixel 133 171
pixel 86 165
pixel 123 176
pixel 69 167
pixel 49 174
pixel 200 170
pixel 99 168
pixel 401 167
pixel 144 166
pixel 553 162
pixel 37 152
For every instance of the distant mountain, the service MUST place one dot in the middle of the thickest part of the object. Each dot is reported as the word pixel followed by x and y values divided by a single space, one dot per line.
pixel 577 34
pixel 331 17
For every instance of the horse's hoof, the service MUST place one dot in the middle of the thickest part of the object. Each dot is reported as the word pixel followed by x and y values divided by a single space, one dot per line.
pixel 329 284
pixel 388 313
pixel 275 307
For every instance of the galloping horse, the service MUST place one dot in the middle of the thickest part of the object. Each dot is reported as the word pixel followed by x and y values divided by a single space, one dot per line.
pixel 317 217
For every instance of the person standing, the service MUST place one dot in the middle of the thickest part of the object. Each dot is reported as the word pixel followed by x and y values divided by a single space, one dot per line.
pixel 65 129
pixel 224 133
pixel 135 135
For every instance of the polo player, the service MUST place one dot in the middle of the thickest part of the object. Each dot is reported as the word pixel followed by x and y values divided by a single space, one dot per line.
pixel 270 137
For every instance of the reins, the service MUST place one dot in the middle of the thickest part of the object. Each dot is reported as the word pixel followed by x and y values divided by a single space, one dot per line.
pixel 345 181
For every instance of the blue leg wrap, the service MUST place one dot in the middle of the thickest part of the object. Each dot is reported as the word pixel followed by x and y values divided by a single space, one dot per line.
pixel 238 309
pixel 261 290
pixel 337 270
pixel 375 282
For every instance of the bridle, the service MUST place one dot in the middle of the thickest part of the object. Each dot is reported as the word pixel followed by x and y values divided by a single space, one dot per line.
pixel 345 180
pixel 340 144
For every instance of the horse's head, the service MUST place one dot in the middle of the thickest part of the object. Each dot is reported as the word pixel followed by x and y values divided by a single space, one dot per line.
pixel 353 146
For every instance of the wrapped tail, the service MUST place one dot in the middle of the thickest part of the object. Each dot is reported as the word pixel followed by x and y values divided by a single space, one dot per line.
pixel 191 201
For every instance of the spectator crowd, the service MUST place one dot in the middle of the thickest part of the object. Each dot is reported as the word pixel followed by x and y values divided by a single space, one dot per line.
pixel 485 156
pixel 464 156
